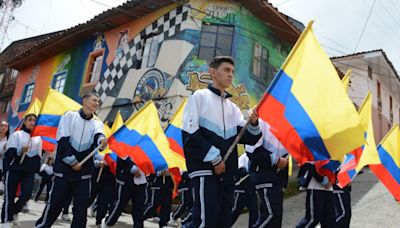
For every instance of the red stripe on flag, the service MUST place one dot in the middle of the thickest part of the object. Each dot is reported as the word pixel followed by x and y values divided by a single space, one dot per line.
pixel 387 179
pixel 47 131
pixel 176 147
pixel 343 179
pixel 136 153
pixel 273 112
pixel 176 178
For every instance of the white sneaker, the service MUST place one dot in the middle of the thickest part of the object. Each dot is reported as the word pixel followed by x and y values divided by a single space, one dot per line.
pixel 92 212
pixel 103 223
pixel 173 223
pixel 15 220
pixel 6 225
pixel 65 217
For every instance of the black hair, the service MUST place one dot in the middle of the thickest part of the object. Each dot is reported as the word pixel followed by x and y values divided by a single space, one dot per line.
pixel 89 94
pixel 218 60
pixel 25 118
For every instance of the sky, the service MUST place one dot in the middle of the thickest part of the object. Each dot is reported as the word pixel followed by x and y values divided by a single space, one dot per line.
pixel 342 26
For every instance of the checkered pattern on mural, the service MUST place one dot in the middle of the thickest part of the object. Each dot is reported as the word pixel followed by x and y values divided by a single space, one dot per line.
pixel 168 24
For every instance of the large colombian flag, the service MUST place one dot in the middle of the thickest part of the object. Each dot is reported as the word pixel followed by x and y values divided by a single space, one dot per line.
pixel 388 172
pixel 144 141
pixel 364 155
pixel 307 108
pixel 54 106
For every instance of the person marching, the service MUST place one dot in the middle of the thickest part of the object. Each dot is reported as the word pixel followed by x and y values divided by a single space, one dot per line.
pixel 269 173
pixel 4 133
pixel 47 174
pixel 161 195
pixel 78 134
pixel 245 193
pixel 131 182
pixel 186 199
pixel 320 207
pixel 211 123
pixel 19 145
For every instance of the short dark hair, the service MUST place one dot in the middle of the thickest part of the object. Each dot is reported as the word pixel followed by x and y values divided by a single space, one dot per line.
pixel 218 60
pixel 89 94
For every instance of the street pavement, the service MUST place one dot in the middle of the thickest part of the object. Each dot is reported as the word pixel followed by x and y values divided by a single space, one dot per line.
pixel 372 205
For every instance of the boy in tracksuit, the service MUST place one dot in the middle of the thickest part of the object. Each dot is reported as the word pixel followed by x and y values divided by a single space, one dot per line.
pixel 211 123
pixel 320 207
pixel 245 193
pixel 185 193
pixel 343 205
pixel 78 134
pixel 269 173
pixel 161 195
pixel 131 183
pixel 104 191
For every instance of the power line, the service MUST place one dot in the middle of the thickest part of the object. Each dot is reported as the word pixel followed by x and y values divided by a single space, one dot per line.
pixel 365 26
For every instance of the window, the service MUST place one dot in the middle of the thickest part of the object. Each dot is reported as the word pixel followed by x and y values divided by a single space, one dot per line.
pixel 27 93
pixel 59 81
pixel 378 89
pixel 369 72
pixel 215 40
pixel 260 63
pixel 95 65
pixel 150 52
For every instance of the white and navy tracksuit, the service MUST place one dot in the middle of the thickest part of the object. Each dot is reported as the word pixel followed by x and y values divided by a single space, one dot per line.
pixel 77 136
pixel 20 173
pixel 211 123
pixel 185 193
pixel 47 174
pixel 3 144
pixel 161 195
pixel 245 193
pixel 342 205
pixel 131 188
pixel 268 180
pixel 105 191
pixel 320 206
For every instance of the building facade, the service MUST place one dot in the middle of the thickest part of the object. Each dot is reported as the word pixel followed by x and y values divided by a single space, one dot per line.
pixel 156 50
pixel 373 71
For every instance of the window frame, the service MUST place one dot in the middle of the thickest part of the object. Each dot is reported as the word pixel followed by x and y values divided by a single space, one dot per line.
pixel 263 63
pixel 217 34
pixel 55 78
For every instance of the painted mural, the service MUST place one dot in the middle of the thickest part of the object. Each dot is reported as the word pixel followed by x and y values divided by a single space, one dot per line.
pixel 164 57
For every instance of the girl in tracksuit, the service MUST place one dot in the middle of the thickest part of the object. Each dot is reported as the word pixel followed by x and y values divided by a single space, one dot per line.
pixel 21 145
pixel 131 185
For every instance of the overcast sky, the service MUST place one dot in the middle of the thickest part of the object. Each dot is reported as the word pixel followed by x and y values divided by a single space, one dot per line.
pixel 338 23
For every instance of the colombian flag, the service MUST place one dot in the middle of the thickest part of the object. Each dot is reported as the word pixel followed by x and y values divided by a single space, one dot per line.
pixel 388 172
pixel 307 107
pixel 364 155
pixel 144 141
pixel 54 106
pixel 174 136
pixel 34 108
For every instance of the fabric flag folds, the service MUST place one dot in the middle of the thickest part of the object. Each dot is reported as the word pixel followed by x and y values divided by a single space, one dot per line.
pixel 54 106
pixel 142 138
pixel 109 156
pixel 307 107
pixel 388 172
pixel 364 155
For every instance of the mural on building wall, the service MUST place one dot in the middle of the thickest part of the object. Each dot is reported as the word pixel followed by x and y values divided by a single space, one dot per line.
pixel 163 61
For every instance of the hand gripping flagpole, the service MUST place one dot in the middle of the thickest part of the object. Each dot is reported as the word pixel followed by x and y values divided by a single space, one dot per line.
pixel 241 133
pixel 24 153
pixel 90 155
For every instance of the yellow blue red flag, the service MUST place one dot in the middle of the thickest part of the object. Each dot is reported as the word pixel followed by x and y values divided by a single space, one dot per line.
pixel 307 107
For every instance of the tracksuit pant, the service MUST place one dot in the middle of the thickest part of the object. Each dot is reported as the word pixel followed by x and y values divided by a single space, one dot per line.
pixel 320 208
pixel 343 209
pixel 244 199
pixel 61 192
pixel 12 179
pixel 135 193
pixel 185 204
pixel 161 195
pixel 271 205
